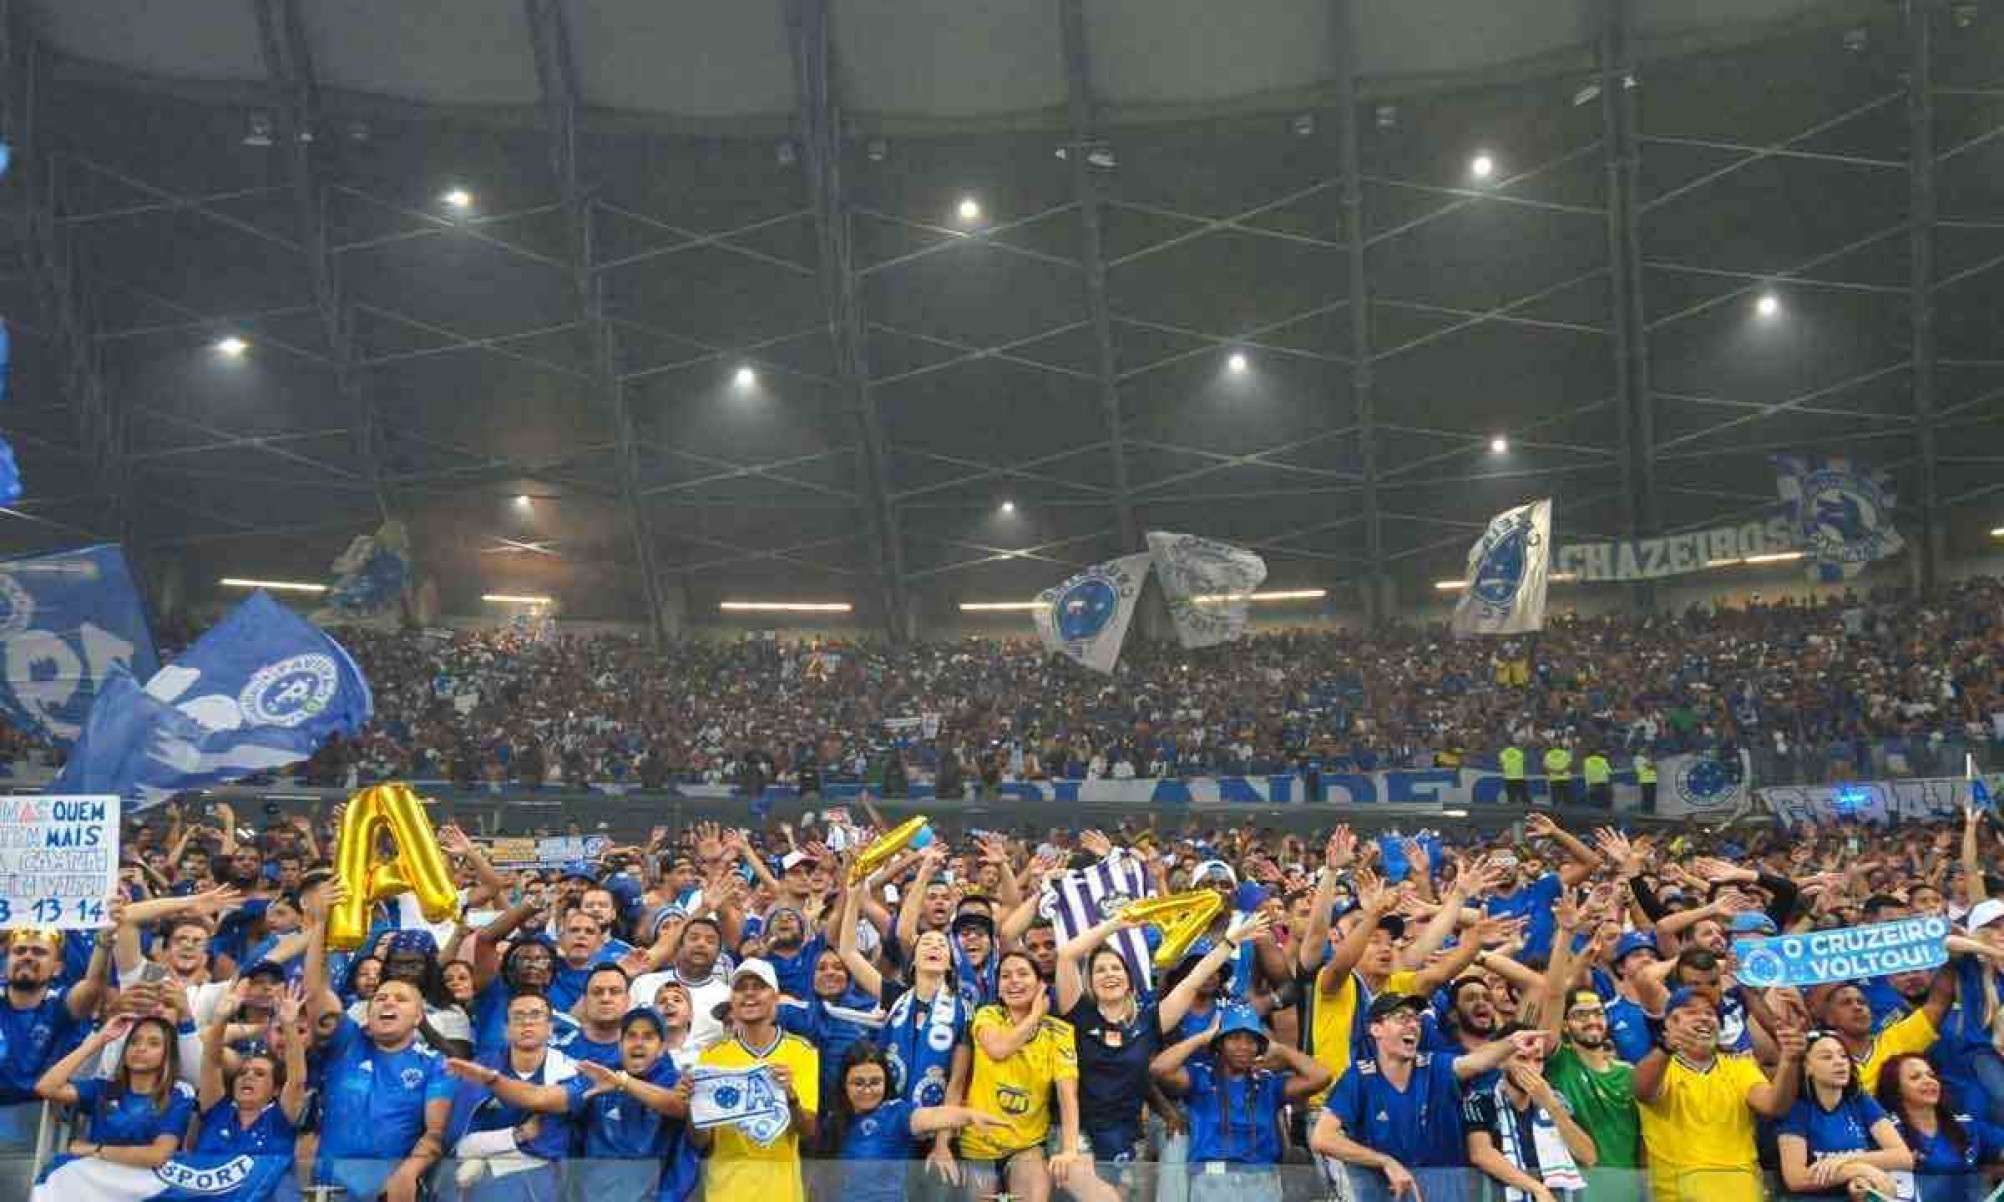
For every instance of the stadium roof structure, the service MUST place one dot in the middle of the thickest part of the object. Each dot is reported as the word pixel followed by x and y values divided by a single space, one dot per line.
pixel 624 301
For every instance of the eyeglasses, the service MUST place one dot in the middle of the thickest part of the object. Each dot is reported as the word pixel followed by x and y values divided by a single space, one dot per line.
pixel 1587 1012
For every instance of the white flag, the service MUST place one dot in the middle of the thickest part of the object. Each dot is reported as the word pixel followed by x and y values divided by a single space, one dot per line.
pixel 1206 582
pixel 1085 618
pixel 1504 591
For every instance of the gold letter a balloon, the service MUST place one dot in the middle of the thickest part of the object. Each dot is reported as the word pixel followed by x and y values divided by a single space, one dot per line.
pixel 417 866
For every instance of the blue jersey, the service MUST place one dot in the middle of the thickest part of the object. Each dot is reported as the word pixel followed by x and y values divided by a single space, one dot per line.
pixel 567 984
pixel 573 1042
pixel 127 1120
pixel 31 1040
pixel 373 1101
pixel 1946 1171
pixel 1846 1127
pixel 1113 1074
pixel 1536 902
pixel 796 972
pixel 1419 1126
pixel 832 1027
pixel 1234 1119
pixel 476 1109
pixel 883 1134
pixel 1629 1030
pixel 269 1134
pixel 618 1128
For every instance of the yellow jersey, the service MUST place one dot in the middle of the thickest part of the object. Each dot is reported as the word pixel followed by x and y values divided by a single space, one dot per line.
pixel 739 1166
pixel 1914 1033
pixel 1016 1090
pixel 1700 1132
pixel 1333 1020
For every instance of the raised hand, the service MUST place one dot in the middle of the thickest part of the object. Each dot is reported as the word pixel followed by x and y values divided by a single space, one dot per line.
pixel 1096 843
pixel 1341 850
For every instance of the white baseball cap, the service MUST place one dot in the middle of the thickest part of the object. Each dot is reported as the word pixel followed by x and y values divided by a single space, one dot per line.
pixel 762 969
pixel 1983 913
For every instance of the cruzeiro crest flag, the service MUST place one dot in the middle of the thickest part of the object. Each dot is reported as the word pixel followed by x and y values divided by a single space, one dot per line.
pixel 1504 592
pixel 262 689
pixel 1085 618
pixel 1206 582
pixel 67 621
pixel 1843 516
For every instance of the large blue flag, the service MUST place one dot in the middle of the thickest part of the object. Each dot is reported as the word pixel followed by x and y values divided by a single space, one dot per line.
pixel 210 1177
pixel 262 689
pixel 66 621
pixel 10 471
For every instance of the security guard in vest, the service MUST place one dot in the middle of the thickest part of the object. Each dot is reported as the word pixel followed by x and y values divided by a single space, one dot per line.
pixel 1645 776
pixel 1599 777
pixel 1559 773
pixel 1516 788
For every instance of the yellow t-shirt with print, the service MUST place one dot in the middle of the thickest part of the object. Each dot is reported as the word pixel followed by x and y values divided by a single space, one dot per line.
pixel 741 1167
pixel 1016 1090
pixel 1700 1132
pixel 1915 1033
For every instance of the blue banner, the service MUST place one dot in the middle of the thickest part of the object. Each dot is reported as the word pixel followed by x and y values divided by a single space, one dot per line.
pixel 1845 954
pixel 1843 515
pixel 67 621
pixel 262 689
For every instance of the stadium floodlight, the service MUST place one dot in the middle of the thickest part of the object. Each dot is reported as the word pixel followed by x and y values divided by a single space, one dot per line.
pixel 1997 532
pixel 998 606
pixel 1768 305
pixel 514 599
pixel 745 377
pixel 970 209
pixel 792 607
pixel 1499 445
pixel 1450 586
pixel 1482 166
pixel 458 198
pixel 231 347
pixel 524 501
pixel 1237 363
pixel 272 586
pixel 1286 594
pixel 1775 557
pixel 1008 507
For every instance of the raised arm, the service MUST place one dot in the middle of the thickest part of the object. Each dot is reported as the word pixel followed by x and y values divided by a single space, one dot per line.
pixel 861 971
pixel 543 1099
pixel 1972 856
pixel 1494 1053
pixel 455 842
pixel 913 901
pixel 1337 856
pixel 1001 1042
pixel 1072 952
pixel 1168 1066
pixel 1581 861
pixel 1177 1002
pixel 54 1083
pixel 320 998
pixel 209 1088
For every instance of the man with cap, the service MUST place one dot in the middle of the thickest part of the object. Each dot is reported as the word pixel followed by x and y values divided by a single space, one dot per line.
pixel 739 1166
pixel 1698 1104
pixel 1233 1100
pixel 1397 1109
pixel 1844 1009
pixel 1629 1033
pixel 974 957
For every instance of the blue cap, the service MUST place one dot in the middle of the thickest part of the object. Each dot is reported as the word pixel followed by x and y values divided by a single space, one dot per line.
pixel 1753 922
pixel 624 889
pixel 578 870
pixel 1240 1017
pixel 1632 942
pixel 417 941
pixel 1682 996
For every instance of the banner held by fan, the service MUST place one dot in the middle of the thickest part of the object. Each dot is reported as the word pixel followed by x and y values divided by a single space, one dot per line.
pixel 1508 567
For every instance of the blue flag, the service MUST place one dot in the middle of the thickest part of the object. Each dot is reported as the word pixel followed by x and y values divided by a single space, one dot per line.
pixel 67 620
pixel 1845 954
pixel 262 689
pixel 10 471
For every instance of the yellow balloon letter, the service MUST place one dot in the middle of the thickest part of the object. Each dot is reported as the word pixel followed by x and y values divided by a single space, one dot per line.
pixel 417 866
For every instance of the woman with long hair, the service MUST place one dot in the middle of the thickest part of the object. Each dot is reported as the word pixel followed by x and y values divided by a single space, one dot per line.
pixel 1836 1137
pixel 140 1114
pixel 867 1124
pixel 1025 1068
pixel 1947 1147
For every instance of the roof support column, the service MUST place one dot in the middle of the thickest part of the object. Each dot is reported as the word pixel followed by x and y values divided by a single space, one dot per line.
pixel 1377 591
pixel 60 277
pixel 556 73
pixel 1920 17
pixel 1635 412
pixel 1078 77
pixel 819 126
pixel 288 64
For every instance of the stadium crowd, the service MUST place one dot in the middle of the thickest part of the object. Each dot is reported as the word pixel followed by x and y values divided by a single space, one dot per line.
pixel 1552 1013
pixel 1857 686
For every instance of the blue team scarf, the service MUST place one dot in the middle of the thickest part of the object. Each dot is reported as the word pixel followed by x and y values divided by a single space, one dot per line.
pixel 977 985
pixel 189 1177
pixel 920 1046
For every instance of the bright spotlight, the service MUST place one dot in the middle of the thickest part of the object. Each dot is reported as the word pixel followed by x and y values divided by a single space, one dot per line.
pixel 1237 363
pixel 1482 167
pixel 1499 445
pixel 232 347
pixel 458 198
pixel 1008 507
pixel 522 501
pixel 1768 305
pixel 745 378
pixel 970 209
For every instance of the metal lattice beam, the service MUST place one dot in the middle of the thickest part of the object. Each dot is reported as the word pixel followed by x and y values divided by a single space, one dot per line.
pixel 1363 389
pixel 1635 404
pixel 288 65
pixel 556 77
pixel 821 159
pixel 1920 19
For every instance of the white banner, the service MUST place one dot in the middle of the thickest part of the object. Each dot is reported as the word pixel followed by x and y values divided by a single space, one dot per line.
pixel 1085 618
pixel 748 1099
pixel 1206 583
pixel 1676 554
pixel 58 860
pixel 1504 589
pixel 1924 799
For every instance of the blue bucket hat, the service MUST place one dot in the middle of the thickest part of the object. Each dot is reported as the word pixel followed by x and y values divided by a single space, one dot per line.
pixel 1241 1018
